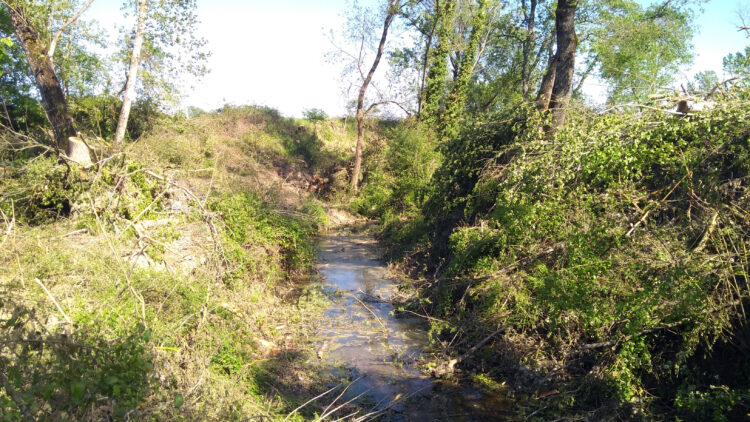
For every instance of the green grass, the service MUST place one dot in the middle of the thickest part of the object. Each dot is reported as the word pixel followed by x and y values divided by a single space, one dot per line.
pixel 183 272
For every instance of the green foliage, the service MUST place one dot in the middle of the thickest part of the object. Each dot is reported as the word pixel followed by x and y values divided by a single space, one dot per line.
pixel 717 404
pixel 400 184
pixel 172 50
pixel 738 64
pixel 639 50
pixel 39 190
pixel 456 102
pixel 438 62
pixel 264 243
pixel 704 82
pixel 72 374
pixel 315 115
pixel 620 228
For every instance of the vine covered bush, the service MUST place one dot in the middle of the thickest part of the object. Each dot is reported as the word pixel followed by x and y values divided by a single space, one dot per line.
pixel 615 253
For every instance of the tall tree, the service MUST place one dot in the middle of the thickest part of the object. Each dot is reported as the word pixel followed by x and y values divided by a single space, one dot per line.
pixel 161 50
pixel 565 30
pixel 39 53
pixel 391 10
pixel 438 61
pixel 456 102
pixel 639 50
pixel 135 57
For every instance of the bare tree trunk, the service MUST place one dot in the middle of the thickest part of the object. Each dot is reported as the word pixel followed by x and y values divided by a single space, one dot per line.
pixel 527 47
pixel 41 66
pixel 425 65
pixel 548 82
pixel 566 55
pixel 361 98
pixel 129 96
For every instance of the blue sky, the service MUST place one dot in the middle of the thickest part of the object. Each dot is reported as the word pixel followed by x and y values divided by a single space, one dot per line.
pixel 272 52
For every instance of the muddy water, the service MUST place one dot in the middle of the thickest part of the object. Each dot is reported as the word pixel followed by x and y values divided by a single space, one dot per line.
pixel 365 342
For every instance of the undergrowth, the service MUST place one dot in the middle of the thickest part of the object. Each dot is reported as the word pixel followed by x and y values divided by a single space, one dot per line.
pixel 615 254
pixel 169 282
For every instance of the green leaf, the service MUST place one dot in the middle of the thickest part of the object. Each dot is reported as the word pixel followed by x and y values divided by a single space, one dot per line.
pixel 178 400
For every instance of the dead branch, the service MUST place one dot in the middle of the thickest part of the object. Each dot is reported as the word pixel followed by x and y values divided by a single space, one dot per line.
pixel 52 298
pixel 614 107
pixel 707 233
pixel 450 365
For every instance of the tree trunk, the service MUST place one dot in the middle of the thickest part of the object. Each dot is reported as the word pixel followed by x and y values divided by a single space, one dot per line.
pixel 129 96
pixel 527 48
pixel 548 82
pixel 566 55
pixel 41 66
pixel 425 65
pixel 438 72
pixel 361 98
pixel 456 103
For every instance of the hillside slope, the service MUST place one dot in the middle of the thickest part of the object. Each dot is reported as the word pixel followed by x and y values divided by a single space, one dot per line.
pixel 168 281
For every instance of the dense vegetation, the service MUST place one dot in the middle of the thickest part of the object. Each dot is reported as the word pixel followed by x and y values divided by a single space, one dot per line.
pixel 158 284
pixel 589 262
pixel 614 255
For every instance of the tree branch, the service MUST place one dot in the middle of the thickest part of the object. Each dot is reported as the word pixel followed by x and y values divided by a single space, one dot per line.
pixel 396 103
pixel 56 38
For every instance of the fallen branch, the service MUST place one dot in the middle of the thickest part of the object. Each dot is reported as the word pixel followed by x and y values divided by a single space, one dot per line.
pixel 52 298
pixel 614 107
pixel 10 224
pixel 377 318
pixel 448 367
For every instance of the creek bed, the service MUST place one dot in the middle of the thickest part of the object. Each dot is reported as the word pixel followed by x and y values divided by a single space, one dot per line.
pixel 365 342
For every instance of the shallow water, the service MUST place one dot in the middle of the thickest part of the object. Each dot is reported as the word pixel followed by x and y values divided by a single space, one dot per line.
pixel 381 351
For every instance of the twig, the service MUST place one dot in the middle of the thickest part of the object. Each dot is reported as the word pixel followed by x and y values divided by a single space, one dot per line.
pixel 325 412
pixel 10 223
pixel 310 401
pixel 59 308
pixel 431 318
pixel 385 330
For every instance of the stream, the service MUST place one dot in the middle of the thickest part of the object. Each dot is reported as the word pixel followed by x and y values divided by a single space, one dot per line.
pixel 367 344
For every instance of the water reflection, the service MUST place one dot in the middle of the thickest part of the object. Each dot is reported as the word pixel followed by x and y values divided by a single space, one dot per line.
pixel 382 352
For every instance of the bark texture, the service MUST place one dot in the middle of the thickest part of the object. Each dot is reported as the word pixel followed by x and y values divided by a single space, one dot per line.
pixel 548 81
pixel 528 45
pixel 135 57
pixel 53 98
pixel 566 55
pixel 361 114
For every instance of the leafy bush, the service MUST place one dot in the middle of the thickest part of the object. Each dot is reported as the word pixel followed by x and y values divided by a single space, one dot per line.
pixel 315 115
pixel 621 243
pixel 264 244
pixel 39 190
pixel 397 178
